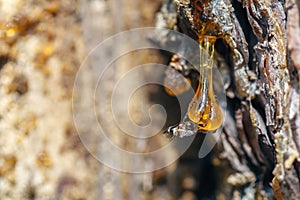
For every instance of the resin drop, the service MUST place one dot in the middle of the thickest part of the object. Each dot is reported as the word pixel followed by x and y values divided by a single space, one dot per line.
pixel 203 108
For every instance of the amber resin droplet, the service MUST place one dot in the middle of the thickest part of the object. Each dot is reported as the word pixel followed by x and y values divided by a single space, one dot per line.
pixel 203 108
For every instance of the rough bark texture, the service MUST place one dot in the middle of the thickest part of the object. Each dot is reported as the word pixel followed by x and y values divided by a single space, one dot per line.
pixel 259 41
pixel 42 44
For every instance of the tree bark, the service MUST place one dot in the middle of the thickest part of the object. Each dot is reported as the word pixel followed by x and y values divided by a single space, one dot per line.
pixel 42 44
pixel 260 138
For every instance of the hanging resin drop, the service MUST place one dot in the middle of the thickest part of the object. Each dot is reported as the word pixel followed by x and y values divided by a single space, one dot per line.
pixel 203 108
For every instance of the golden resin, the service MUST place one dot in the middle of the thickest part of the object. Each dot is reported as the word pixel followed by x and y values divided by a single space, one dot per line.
pixel 204 109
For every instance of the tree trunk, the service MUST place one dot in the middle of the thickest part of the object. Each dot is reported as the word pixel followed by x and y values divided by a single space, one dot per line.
pixel 43 44
pixel 258 43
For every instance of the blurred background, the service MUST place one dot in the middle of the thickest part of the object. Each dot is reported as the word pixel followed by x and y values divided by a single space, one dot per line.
pixel 43 45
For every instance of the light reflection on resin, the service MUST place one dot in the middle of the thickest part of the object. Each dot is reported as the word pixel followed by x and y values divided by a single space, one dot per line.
pixel 203 108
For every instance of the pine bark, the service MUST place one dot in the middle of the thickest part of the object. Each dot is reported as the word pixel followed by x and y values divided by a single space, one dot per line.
pixel 260 138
